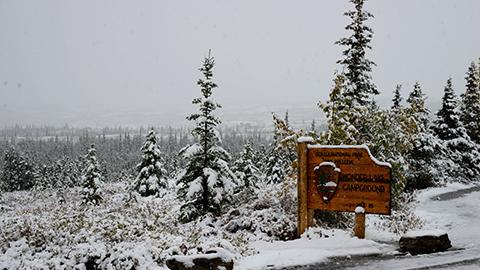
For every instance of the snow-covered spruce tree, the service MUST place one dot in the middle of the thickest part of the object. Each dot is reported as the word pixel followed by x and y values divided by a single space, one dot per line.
pixel 478 73
pixel 91 179
pixel 275 166
pixel 18 173
pixel 151 174
pixel 447 126
pixel 462 151
pixel 244 167
pixel 359 89
pixel 397 98
pixel 207 182
pixel 424 147
pixel 357 67
pixel 260 157
pixel 470 107
pixel 340 129
pixel 416 108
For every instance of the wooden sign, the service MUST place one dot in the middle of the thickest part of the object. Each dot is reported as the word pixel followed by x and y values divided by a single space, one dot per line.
pixel 340 178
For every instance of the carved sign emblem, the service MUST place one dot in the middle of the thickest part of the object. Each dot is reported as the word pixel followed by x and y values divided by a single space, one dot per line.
pixel 327 176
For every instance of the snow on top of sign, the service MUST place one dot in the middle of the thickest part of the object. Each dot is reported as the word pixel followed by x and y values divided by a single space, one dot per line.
pixel 359 210
pixel 327 163
pixel 363 146
pixel 305 139
pixel 432 232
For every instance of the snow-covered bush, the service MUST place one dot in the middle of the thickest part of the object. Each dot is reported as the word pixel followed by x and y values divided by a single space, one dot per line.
pixel 117 234
pixel 268 214
pixel 403 218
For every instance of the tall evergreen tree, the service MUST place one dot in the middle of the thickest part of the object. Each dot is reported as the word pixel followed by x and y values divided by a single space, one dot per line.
pixel 470 108
pixel 447 124
pixel 478 73
pixel 207 182
pixel 91 179
pixel 18 173
pixel 397 98
pixel 357 67
pixel 459 148
pixel 151 173
pixel 423 146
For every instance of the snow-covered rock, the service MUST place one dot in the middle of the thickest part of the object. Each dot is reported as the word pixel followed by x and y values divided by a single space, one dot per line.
pixel 214 259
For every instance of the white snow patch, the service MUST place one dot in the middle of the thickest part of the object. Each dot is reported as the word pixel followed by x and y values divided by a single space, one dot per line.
pixel 359 210
pixel 305 251
pixel 330 184
pixel 327 163
pixel 418 233
pixel 305 139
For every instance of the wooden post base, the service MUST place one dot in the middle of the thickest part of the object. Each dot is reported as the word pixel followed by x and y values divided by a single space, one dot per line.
pixel 360 225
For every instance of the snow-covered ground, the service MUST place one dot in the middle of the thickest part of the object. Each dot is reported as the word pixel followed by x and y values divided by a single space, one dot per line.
pixel 458 217
pixel 314 246
pixel 49 230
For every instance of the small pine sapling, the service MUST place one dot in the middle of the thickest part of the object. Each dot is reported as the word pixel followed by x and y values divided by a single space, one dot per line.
pixel 151 173
pixel 91 179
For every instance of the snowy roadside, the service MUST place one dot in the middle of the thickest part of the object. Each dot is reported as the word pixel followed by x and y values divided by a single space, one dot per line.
pixel 311 251
pixel 37 230
pixel 458 216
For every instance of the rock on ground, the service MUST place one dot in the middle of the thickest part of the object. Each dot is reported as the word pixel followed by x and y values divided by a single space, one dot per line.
pixel 215 259
pixel 419 243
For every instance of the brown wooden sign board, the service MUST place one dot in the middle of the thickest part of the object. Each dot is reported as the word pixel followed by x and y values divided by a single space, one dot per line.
pixel 341 178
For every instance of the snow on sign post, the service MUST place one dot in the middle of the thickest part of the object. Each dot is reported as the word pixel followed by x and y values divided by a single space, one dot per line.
pixel 345 178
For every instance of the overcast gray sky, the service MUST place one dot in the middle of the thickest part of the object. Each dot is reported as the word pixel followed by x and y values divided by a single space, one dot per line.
pixel 136 62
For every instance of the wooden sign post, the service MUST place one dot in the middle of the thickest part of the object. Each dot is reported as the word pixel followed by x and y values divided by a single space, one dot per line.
pixel 345 178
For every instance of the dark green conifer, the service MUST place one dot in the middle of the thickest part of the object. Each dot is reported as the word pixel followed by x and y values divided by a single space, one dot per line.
pixel 207 182
pixel 470 108
pixel 397 98
pixel 151 173
pixel 91 179
pixel 356 66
